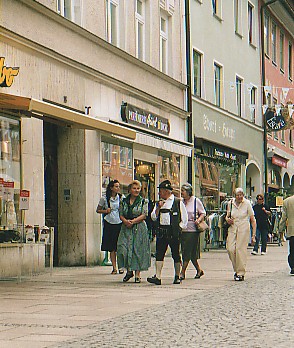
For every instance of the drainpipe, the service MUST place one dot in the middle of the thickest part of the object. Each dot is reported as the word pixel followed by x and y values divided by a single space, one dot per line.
pixel 189 93
pixel 262 8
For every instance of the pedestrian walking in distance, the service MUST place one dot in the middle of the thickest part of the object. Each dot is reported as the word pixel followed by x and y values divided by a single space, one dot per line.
pixel 262 213
pixel 171 216
pixel 239 216
pixel 288 219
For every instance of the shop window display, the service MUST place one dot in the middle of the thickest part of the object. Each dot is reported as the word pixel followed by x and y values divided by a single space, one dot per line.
pixel 9 174
pixel 145 173
pixel 169 169
pixel 117 164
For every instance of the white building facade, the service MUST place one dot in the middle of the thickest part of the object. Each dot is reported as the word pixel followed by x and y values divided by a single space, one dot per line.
pixel 226 95
pixel 100 94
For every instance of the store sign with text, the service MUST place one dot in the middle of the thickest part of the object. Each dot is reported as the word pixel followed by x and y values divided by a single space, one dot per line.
pixel 224 153
pixel 7 74
pixel 222 129
pixel 144 119
pixel 280 162
pixel 24 200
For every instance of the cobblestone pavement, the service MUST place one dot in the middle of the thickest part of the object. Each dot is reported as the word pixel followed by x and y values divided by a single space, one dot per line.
pixel 256 313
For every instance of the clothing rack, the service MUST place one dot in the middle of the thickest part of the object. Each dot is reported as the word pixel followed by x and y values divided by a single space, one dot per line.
pixel 214 237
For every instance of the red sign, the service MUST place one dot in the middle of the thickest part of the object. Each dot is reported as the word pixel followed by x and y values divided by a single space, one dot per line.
pixel 9 184
pixel 278 161
pixel 24 200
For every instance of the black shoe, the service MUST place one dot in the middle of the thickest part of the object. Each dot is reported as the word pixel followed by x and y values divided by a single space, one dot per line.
pixel 177 280
pixel 199 275
pixel 154 280
pixel 137 280
pixel 292 272
pixel 239 278
pixel 128 276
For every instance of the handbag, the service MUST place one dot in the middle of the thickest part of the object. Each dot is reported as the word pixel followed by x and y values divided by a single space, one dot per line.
pixel 225 223
pixel 202 226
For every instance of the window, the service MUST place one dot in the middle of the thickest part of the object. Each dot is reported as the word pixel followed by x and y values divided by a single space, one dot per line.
pixel 274 42
pixel 70 9
pixel 197 72
pixel 266 34
pixel 217 84
pixel 253 103
pixel 291 138
pixel 216 8
pixel 290 66
pixel 237 10
pixel 282 53
pixel 140 29
pixel 163 43
pixel 250 23
pixel 283 136
pixel 239 95
pixel 112 22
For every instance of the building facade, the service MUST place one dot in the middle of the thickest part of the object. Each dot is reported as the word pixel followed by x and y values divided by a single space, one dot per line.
pixel 100 94
pixel 226 96
pixel 278 38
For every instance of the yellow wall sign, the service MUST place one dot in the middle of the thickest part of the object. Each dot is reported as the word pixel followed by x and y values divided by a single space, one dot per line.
pixel 7 74
pixel 279 201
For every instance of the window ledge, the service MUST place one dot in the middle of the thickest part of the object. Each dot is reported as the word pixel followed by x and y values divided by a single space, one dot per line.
pixel 267 56
pixel 274 63
pixel 282 71
pixel 216 16
pixel 290 78
pixel 253 45
pixel 238 34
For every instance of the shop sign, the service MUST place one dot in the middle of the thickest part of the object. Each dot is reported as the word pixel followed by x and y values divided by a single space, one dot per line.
pixel 7 74
pixel 224 153
pixel 220 128
pixel 142 118
pixel 278 161
pixel 8 191
pixel 24 200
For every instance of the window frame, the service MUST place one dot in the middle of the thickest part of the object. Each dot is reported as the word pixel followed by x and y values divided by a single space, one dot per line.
pixel 218 88
pixel 112 25
pixel 239 91
pixel 72 16
pixel 250 23
pixel 282 51
pixel 253 98
pixel 163 44
pixel 290 61
pixel 140 21
pixel 266 33
pixel 197 91
pixel 274 42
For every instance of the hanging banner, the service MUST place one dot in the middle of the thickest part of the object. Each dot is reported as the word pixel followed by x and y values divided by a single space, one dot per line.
pixel 24 200
pixel 290 108
pixel 264 108
pixel 285 92
pixel 267 90
pixel 278 109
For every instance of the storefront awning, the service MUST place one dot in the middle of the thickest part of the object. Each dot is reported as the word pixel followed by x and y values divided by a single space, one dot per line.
pixel 67 117
pixel 166 145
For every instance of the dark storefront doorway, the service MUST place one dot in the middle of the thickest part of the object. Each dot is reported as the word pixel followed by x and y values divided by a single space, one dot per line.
pixel 51 182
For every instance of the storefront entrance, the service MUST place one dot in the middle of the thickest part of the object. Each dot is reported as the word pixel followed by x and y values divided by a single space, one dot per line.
pixel 145 173
pixel 51 182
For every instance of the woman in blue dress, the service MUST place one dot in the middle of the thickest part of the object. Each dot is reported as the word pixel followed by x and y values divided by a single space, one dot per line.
pixel 133 246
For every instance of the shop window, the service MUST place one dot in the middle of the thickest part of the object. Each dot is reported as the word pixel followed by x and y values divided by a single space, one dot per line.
pixel 116 164
pixel 10 174
pixel 145 173
pixel 169 169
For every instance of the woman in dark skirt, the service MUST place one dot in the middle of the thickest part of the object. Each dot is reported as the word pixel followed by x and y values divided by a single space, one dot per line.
pixel 190 239
pixel 109 207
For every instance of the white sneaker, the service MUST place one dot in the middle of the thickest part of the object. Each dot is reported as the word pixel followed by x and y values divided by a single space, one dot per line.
pixel 263 253
pixel 253 252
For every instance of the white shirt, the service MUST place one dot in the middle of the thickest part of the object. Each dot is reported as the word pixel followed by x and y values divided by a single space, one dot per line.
pixel 165 217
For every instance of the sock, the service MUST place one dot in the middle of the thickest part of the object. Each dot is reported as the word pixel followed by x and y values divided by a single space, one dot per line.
pixel 177 266
pixel 158 266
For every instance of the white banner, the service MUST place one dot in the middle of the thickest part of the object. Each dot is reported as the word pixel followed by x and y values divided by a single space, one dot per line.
pixel 264 108
pixel 267 90
pixel 290 108
pixel 285 92
pixel 278 108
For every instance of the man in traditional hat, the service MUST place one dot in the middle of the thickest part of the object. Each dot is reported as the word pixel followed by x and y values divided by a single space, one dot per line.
pixel 172 217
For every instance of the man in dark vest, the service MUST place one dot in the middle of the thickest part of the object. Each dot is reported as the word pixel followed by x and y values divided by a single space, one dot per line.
pixel 171 216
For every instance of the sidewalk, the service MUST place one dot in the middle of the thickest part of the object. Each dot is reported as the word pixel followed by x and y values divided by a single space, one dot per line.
pixel 47 310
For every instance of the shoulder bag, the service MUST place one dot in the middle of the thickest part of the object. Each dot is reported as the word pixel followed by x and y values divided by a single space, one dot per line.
pixel 202 226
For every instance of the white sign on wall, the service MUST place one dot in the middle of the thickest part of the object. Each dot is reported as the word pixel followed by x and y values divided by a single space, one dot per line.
pixel 24 200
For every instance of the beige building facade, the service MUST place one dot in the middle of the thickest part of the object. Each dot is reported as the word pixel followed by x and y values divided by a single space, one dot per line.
pixel 100 94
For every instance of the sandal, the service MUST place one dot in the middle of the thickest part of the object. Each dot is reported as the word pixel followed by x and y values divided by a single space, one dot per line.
pixel 199 275
pixel 114 271
pixel 182 276
pixel 128 276
pixel 121 271
pixel 137 280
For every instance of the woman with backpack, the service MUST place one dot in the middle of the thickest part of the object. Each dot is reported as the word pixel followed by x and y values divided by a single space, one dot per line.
pixel 109 207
